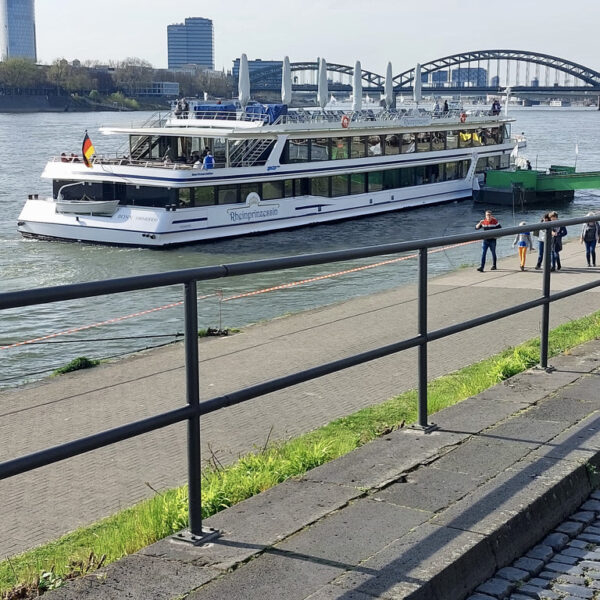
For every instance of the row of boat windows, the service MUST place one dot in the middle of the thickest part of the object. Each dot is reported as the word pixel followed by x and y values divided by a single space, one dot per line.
pixel 332 186
pixel 306 150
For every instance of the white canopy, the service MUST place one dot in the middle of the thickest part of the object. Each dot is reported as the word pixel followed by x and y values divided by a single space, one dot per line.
pixel 417 84
pixel 322 88
pixel 244 82
pixel 286 81
pixel 389 86
pixel 357 87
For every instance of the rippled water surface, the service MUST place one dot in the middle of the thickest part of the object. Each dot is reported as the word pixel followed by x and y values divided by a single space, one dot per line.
pixel 26 142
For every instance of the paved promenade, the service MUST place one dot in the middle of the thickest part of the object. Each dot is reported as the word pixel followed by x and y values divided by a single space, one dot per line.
pixel 42 505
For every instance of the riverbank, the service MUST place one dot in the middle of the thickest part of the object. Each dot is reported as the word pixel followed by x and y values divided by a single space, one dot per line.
pixel 58 104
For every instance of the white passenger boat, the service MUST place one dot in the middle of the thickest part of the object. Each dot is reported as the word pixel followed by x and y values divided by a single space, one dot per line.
pixel 274 168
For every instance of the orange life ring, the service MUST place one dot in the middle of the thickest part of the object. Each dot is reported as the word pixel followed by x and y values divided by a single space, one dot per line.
pixel 345 121
pixel 463 117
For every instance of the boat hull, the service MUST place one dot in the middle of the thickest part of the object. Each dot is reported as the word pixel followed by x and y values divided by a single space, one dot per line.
pixel 160 228
pixel 520 198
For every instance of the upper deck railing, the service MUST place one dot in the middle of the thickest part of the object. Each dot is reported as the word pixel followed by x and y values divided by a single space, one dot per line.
pixel 195 408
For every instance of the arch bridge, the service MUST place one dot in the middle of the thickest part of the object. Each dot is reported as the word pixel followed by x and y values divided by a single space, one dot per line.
pixel 477 72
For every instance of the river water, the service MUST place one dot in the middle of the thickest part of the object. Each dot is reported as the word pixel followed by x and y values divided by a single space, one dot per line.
pixel 26 142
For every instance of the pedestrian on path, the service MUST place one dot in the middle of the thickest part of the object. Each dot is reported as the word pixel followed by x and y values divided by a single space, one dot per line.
pixel 590 234
pixel 542 233
pixel 523 241
pixel 487 224
pixel 558 233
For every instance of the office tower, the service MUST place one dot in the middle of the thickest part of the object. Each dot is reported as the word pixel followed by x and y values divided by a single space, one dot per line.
pixel 17 29
pixel 191 43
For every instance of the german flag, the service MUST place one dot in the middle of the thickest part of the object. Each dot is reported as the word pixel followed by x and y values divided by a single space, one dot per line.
pixel 88 150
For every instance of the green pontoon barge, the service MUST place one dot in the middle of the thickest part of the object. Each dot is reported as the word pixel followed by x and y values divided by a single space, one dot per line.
pixel 523 187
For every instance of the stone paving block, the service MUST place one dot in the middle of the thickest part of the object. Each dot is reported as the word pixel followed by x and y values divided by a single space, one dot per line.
pixel 562 409
pixel 512 574
pixel 531 565
pixel 530 591
pixel 579 544
pixel 595 495
pixel 480 597
pixel 592 505
pixel 142 576
pixel 556 541
pixel 565 559
pixel 562 568
pixel 385 459
pixel 334 592
pixel 575 591
pixel 570 528
pixel 429 489
pixel 589 537
pixel 585 389
pixel 496 587
pixel 584 516
pixel 352 535
pixel 248 527
pixel 541 552
pixel 429 562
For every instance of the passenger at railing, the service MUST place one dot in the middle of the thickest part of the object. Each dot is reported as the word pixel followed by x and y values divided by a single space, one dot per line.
pixel 208 162
pixel 185 107
pixel 194 158
pixel 204 153
pixel 74 157
pixel 178 109
pixel 445 109
pixel 64 157
pixel 496 108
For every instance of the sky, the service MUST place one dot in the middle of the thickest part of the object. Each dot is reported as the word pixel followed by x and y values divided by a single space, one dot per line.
pixel 404 32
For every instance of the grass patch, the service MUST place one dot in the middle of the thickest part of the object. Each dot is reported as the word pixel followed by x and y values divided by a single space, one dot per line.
pixel 81 362
pixel 222 487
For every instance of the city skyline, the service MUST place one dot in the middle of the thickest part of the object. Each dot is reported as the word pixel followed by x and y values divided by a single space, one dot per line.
pixel 374 32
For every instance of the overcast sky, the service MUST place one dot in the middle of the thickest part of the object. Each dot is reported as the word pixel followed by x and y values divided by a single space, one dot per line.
pixel 372 31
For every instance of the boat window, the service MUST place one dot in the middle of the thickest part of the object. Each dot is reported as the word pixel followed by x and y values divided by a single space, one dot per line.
pixel 504 133
pixel 423 142
pixel 494 162
pixel 289 188
pixel 505 161
pixel 358 182
pixel 359 147
pixel 432 173
pixel 228 194
pixel 319 149
pixel 150 196
pixel 272 190
pixel 301 187
pixel 218 150
pixel 482 165
pixel 408 143
pixel 441 176
pixel 407 177
pixel 420 176
pixel 204 196
pixel 391 179
pixel 320 186
pixel 375 179
pixel 375 147
pixel 340 148
pixel 465 139
pixel 438 140
pixel 339 185
pixel 185 197
pixel 451 171
pixel 392 144
pixel 452 140
pixel 249 188
pixel 298 151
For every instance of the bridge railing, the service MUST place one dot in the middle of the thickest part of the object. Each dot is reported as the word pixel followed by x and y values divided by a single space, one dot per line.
pixel 195 409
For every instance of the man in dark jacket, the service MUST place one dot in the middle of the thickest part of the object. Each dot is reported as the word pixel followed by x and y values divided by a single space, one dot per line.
pixel 490 222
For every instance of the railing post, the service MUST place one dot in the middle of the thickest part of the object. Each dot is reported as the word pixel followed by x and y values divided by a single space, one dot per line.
pixel 422 423
pixel 197 534
pixel 546 305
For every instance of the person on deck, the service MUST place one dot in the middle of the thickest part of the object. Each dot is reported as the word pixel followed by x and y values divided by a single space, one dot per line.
pixel 487 224
pixel 208 162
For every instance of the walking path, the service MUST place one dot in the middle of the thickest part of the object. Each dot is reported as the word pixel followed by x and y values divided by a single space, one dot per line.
pixel 44 504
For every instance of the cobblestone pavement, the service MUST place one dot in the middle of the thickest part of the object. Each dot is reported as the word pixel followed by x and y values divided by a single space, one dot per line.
pixel 565 565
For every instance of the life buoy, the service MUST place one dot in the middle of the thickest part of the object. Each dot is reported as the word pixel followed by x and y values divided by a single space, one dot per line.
pixel 463 117
pixel 345 121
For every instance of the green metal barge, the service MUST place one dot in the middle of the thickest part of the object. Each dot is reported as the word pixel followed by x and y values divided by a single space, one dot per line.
pixel 523 187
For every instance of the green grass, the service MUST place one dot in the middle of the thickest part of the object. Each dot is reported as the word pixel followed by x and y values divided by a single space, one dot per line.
pixel 165 513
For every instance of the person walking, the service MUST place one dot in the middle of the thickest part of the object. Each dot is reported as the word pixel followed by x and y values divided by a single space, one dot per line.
pixel 487 224
pixel 590 234
pixel 558 233
pixel 542 233
pixel 523 241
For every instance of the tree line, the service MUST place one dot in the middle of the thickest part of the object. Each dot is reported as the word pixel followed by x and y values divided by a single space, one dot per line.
pixel 91 78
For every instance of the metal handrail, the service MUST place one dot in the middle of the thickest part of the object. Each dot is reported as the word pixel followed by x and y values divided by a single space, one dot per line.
pixel 195 409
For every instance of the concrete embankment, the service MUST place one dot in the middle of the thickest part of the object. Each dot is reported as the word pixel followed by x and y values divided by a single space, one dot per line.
pixel 39 506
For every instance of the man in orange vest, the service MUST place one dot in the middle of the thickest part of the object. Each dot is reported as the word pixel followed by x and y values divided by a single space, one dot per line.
pixel 488 224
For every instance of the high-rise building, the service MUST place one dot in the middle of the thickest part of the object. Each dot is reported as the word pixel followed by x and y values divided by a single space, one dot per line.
pixel 191 43
pixel 17 29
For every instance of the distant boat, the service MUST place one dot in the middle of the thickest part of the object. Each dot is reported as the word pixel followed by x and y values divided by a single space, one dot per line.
pixel 558 102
